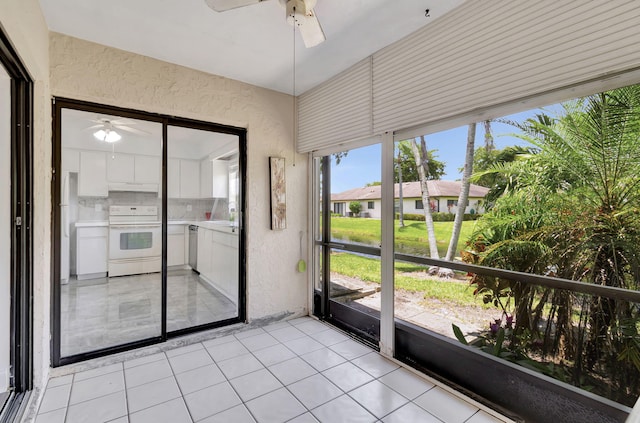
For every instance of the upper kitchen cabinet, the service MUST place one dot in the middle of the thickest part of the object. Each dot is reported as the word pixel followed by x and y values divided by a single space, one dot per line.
pixel 183 178
pixel 147 170
pixel 92 179
pixel 133 169
pixel 120 168
pixel 214 178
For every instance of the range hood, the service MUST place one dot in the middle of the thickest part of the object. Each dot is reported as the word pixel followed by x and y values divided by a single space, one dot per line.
pixel 133 187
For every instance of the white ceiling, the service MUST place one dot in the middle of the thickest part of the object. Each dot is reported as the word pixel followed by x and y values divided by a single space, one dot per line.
pixel 252 44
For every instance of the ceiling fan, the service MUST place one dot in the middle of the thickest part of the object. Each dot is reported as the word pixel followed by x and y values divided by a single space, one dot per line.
pixel 106 128
pixel 299 13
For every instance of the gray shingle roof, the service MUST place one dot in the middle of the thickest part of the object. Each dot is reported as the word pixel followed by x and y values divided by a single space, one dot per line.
pixel 411 190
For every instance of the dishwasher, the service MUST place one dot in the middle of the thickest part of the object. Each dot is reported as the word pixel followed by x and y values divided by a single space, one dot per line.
pixel 193 247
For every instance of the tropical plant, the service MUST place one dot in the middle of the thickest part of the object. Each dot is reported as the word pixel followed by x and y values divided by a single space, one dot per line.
pixel 407 162
pixel 421 158
pixel 572 209
pixel 355 207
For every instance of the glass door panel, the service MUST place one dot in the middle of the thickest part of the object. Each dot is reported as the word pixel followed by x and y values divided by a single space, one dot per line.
pixel 203 215
pixel 111 232
pixel 352 237
pixel 5 230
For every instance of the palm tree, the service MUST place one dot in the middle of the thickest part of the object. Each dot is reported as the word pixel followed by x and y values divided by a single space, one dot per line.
pixel 463 198
pixel 421 156
pixel 572 209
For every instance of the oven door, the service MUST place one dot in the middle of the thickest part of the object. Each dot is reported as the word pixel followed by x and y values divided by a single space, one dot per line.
pixel 134 241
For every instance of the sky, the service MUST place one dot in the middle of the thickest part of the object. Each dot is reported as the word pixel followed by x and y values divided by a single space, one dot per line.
pixel 362 166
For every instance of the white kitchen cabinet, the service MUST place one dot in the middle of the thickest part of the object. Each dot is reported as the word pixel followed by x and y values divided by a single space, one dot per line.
pixel 92 252
pixel 204 252
pixel 70 160
pixel 189 179
pixel 173 178
pixel 147 170
pixel 175 245
pixel 120 168
pixel 214 178
pixel 92 179
pixel 225 263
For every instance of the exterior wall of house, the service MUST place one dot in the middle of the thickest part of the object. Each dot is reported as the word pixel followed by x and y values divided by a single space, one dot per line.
pixel 87 71
pixel 409 206
pixel 24 24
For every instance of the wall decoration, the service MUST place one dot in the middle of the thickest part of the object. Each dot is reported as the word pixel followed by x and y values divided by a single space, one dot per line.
pixel 278 193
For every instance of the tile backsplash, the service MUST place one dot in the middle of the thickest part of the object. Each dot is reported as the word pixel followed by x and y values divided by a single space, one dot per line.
pixel 97 208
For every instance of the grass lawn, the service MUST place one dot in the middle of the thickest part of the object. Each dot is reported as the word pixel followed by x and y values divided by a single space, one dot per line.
pixel 368 269
pixel 411 239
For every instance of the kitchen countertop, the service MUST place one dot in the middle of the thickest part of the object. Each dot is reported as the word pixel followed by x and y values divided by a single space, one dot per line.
pixel 218 225
pixel 92 223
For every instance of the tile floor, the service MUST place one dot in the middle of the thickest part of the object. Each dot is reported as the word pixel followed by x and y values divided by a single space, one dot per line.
pixel 104 312
pixel 297 371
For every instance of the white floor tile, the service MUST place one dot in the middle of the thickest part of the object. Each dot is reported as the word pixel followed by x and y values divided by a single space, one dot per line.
pixel 102 409
pixel 259 342
pixel 254 384
pixel 227 350
pixel 146 373
pixel 56 416
pixel 410 413
pixel 350 349
pixel 275 407
pixel 189 361
pixel 273 355
pixel 375 364
pixel 211 400
pixel 183 350
pixel 59 381
pixel 249 333
pixel 305 418
pixel 314 391
pixel 301 320
pixel 287 334
pixel 347 376
pixel 343 410
pixel 239 366
pixel 219 341
pixel 276 326
pixel 323 359
pixel 88 374
pixel 97 387
pixel 303 345
pixel 291 371
pixel 482 417
pixel 237 414
pixel 199 378
pixel 55 398
pixel 312 327
pixel 153 393
pixel 330 337
pixel 406 383
pixel 173 411
pixel 445 406
pixel 378 398
pixel 124 419
pixel 144 360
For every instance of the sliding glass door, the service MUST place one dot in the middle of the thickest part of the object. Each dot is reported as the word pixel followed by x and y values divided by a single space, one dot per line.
pixel 149 242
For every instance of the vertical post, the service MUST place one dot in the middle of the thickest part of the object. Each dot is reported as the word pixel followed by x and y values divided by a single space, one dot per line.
pixel 387 327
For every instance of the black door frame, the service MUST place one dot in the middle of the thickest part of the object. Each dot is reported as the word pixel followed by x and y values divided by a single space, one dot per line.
pixel 21 332
pixel 166 121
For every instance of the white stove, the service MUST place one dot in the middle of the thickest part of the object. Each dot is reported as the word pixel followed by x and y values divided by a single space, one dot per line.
pixel 135 240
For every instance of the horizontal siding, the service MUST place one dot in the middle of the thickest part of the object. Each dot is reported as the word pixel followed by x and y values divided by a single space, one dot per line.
pixel 338 110
pixel 487 53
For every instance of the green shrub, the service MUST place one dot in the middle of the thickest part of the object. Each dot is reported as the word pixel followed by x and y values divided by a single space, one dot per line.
pixel 355 207
pixel 437 216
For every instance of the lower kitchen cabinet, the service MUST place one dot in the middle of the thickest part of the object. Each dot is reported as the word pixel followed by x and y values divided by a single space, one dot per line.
pixel 218 260
pixel 92 252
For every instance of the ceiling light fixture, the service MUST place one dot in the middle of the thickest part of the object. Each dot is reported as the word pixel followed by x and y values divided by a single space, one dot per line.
pixel 107 135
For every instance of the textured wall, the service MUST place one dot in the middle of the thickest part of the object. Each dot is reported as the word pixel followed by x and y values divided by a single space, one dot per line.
pixel 23 22
pixel 92 72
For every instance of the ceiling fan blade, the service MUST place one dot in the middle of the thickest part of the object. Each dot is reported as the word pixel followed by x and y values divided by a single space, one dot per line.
pixel 224 5
pixel 132 130
pixel 100 125
pixel 311 31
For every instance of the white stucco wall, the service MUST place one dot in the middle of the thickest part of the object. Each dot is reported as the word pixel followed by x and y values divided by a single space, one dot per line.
pixel 409 206
pixel 87 71
pixel 24 24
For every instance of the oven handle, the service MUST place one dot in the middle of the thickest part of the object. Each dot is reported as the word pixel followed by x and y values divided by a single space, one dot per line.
pixel 132 226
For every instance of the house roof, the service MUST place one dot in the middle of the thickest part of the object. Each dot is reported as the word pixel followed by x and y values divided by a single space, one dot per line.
pixel 411 190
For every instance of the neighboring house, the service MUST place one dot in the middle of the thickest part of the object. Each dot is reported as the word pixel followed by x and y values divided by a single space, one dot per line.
pixel 443 197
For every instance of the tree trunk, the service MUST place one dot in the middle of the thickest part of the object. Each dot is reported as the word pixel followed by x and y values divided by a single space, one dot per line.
pixel 420 154
pixel 488 137
pixel 463 198
pixel 400 199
